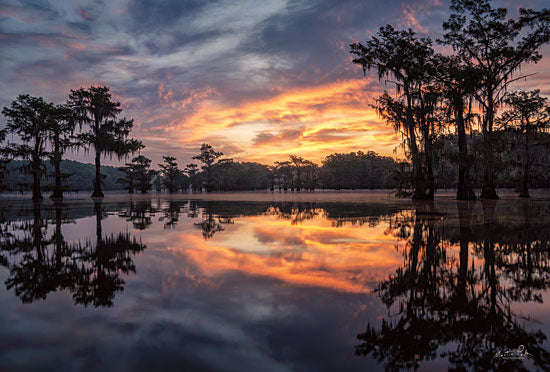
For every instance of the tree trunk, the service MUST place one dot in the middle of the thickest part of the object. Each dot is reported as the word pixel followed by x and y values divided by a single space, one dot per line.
pixel 419 192
pixel 97 184
pixel 525 184
pixel 430 182
pixel 208 179
pixel 488 189
pixel 465 190
pixel 57 192
pixel 35 165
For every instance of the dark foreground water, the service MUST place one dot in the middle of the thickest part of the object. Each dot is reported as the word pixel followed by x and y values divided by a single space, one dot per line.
pixel 310 282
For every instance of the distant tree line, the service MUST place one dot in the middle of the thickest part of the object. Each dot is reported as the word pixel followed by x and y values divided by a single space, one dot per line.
pixel 338 171
pixel 356 170
pixel 437 93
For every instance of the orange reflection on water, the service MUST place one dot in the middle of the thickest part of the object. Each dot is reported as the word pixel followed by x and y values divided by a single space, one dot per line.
pixel 349 258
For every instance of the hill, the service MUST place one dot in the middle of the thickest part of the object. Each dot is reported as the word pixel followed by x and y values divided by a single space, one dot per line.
pixel 81 176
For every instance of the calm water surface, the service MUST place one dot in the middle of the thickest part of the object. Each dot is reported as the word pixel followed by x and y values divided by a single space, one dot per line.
pixel 314 282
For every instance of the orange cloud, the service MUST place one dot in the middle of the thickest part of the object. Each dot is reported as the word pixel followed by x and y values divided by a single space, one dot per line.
pixel 312 122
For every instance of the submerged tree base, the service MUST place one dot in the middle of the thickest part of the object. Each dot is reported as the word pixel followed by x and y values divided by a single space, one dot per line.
pixel 400 193
pixel 466 195
pixel 97 194
pixel 489 194
pixel 422 193
pixel 488 190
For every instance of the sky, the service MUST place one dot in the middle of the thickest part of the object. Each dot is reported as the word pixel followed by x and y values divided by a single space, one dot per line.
pixel 258 80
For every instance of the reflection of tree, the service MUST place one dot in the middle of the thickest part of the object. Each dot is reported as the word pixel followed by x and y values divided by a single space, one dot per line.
pixel 111 255
pixel 139 213
pixel 295 212
pixel 212 223
pixel 192 210
pixel 441 301
pixel 171 214
pixel 35 275
pixel 340 214
pixel 39 265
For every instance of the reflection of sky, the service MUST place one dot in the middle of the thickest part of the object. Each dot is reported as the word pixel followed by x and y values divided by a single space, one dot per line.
pixel 264 294
pixel 290 297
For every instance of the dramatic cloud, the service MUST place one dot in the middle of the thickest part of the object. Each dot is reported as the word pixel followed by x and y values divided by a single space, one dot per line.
pixel 259 80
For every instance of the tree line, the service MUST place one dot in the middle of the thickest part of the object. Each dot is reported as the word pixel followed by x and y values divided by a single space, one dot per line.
pixel 356 170
pixel 465 92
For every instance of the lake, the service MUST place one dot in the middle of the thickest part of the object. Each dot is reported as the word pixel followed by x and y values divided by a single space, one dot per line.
pixel 319 281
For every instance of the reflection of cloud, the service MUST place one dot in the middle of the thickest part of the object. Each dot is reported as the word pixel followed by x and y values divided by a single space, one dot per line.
pixel 313 253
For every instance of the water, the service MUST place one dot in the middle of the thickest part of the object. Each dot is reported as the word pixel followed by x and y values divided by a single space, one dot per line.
pixel 255 281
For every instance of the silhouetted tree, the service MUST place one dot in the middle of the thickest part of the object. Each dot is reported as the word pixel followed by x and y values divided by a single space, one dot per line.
pixel 527 115
pixel 222 173
pixel 457 83
pixel 208 157
pixel 497 46
pixel 108 135
pixel 61 134
pixel 170 173
pixel 401 56
pixel 299 164
pixel 138 175
pixel 359 170
pixel 128 181
pixel 143 174
pixel 309 174
pixel 284 174
pixel 28 118
pixel 192 171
